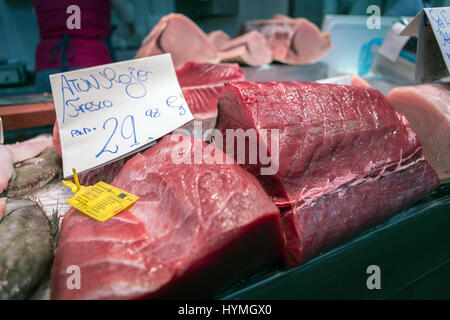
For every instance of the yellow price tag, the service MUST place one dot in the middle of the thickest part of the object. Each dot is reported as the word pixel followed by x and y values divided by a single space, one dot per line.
pixel 100 201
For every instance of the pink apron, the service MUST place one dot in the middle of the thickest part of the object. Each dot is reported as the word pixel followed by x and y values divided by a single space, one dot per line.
pixel 62 48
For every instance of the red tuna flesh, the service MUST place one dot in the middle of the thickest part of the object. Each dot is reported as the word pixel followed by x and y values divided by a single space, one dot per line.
pixel 196 228
pixel 345 158
pixel 202 85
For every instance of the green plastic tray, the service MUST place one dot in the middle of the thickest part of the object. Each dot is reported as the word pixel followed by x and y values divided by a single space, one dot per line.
pixel 412 250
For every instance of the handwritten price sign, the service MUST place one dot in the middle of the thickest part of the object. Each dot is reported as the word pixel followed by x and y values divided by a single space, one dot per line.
pixel 432 27
pixel 107 112
pixel 439 19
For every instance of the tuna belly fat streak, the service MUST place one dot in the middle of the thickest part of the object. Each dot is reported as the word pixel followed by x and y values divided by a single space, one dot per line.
pixel 196 229
pixel 346 158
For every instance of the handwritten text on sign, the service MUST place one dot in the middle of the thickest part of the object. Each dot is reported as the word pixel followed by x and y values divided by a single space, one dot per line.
pixel 439 19
pixel 109 111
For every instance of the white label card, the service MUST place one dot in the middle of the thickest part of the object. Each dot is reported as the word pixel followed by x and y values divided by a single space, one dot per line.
pixel 394 42
pixel 108 112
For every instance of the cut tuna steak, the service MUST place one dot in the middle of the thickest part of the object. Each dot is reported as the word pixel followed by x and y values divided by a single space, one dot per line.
pixel 250 49
pixel 218 38
pixel 202 85
pixel 292 41
pixel 195 229
pixel 183 39
pixel 193 74
pixel 427 108
pixel 203 101
pixel 346 158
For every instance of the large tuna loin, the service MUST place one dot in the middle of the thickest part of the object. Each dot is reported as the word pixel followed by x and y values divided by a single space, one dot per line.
pixel 292 41
pixel 195 229
pixel 427 108
pixel 346 158
pixel 202 85
pixel 183 39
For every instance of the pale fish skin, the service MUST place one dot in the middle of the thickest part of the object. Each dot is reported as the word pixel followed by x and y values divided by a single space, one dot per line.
pixel 34 173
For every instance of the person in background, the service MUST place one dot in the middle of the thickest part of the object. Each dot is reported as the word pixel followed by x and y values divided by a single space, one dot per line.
pixel 62 49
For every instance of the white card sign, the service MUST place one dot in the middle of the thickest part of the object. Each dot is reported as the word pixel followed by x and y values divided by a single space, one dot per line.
pixel 432 27
pixel 439 19
pixel 393 43
pixel 108 112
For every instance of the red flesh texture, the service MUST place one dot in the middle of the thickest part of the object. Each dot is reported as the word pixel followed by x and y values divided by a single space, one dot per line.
pixel 292 41
pixel 194 74
pixel 313 228
pixel 194 230
pixel 203 101
pixel 250 49
pixel 346 157
pixel 423 105
pixel 183 39
pixel 202 85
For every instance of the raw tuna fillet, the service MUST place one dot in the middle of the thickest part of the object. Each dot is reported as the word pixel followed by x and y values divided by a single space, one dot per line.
pixel 346 158
pixel 202 85
pixel 183 39
pixel 427 108
pixel 218 38
pixel 6 167
pixel 193 74
pixel 292 41
pixel 195 229
pixel 250 49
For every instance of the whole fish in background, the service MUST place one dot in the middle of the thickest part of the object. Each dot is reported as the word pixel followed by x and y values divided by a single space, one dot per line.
pixel 26 247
